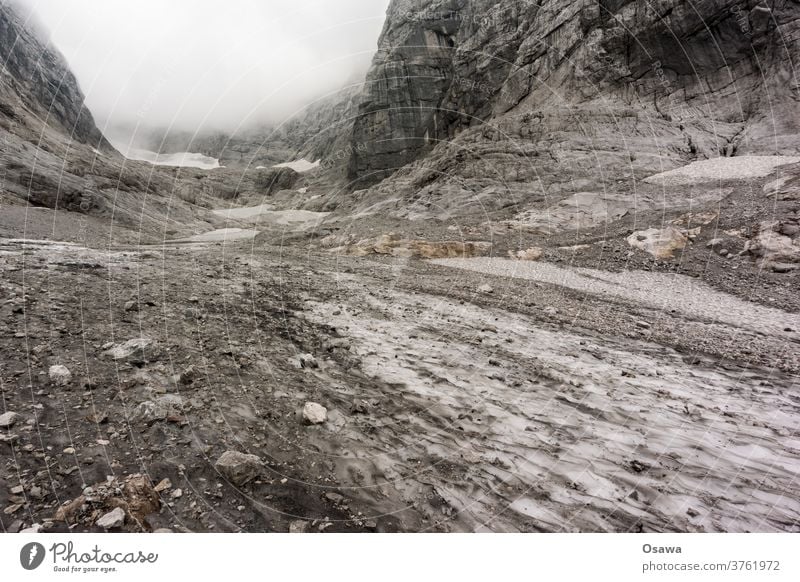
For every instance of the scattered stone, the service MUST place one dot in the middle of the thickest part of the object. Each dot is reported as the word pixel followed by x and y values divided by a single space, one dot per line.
pixel 485 289
pixel 8 419
pixel 238 468
pixel 304 361
pixel 177 494
pixel 60 375
pixel 714 242
pixel 334 498
pixel 314 413
pixel 163 485
pixel 163 408
pixel 659 242
pixel 298 526
pixel 531 254
pixel 188 376
pixel 643 324
pixel 69 451
pixel 138 350
pixel 113 519
pixel 131 306
pixel 69 510
pixel 783 267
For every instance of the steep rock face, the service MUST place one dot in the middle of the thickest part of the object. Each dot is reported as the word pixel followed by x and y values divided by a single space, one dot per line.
pixel 35 77
pixel 695 79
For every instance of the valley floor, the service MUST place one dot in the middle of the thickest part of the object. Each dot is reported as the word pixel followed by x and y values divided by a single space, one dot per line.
pixel 462 395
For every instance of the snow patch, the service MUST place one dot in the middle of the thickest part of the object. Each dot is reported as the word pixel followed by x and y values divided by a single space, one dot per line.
pixel 718 169
pixel 180 159
pixel 299 166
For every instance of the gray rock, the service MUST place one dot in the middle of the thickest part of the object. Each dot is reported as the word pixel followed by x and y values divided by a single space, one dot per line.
pixel 298 526
pixel 60 375
pixel 314 413
pixel 154 410
pixel 113 519
pixel 485 289
pixel 304 361
pixel 238 468
pixel 136 350
pixel 8 419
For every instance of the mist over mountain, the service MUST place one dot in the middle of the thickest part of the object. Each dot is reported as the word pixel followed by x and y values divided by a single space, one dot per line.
pixel 208 65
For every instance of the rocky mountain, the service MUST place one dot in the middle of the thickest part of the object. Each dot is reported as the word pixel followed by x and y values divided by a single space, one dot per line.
pixel 37 83
pixel 55 159
pixel 533 92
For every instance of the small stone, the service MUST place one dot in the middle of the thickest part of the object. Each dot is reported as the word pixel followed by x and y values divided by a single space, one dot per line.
pixel 163 485
pixel 131 306
pixel 314 413
pixel 238 468
pixel 18 490
pixel 298 526
pixel 13 508
pixel 69 451
pixel 137 350
pixel 334 497
pixel 112 519
pixel 643 324
pixel 783 267
pixel 177 494
pixel 485 289
pixel 8 419
pixel 60 375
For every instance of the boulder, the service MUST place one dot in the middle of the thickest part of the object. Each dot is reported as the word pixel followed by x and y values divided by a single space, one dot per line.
pixel 113 519
pixel 314 413
pixel 60 375
pixel 659 242
pixel 8 419
pixel 238 468
pixel 137 350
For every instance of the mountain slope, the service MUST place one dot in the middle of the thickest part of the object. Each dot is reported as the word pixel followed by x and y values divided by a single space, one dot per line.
pixel 489 85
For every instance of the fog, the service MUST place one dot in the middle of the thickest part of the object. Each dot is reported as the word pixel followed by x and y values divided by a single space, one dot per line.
pixel 205 64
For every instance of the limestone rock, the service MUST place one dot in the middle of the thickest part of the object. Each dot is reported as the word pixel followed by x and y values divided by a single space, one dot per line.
pixel 60 375
pixel 659 242
pixel 8 419
pixel 314 413
pixel 238 468
pixel 113 519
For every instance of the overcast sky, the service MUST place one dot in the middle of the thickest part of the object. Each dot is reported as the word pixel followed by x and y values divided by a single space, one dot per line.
pixel 210 63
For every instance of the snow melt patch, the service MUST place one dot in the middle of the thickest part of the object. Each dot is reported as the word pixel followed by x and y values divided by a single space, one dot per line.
pixel 718 169
pixel 223 235
pixel 299 166
pixel 180 159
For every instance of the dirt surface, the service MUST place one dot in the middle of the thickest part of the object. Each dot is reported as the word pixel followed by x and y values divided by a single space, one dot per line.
pixel 457 400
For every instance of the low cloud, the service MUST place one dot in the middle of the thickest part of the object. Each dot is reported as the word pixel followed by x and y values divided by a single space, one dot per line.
pixel 208 64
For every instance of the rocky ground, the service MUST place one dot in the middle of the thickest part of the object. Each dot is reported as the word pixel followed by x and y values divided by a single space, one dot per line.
pixel 274 381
